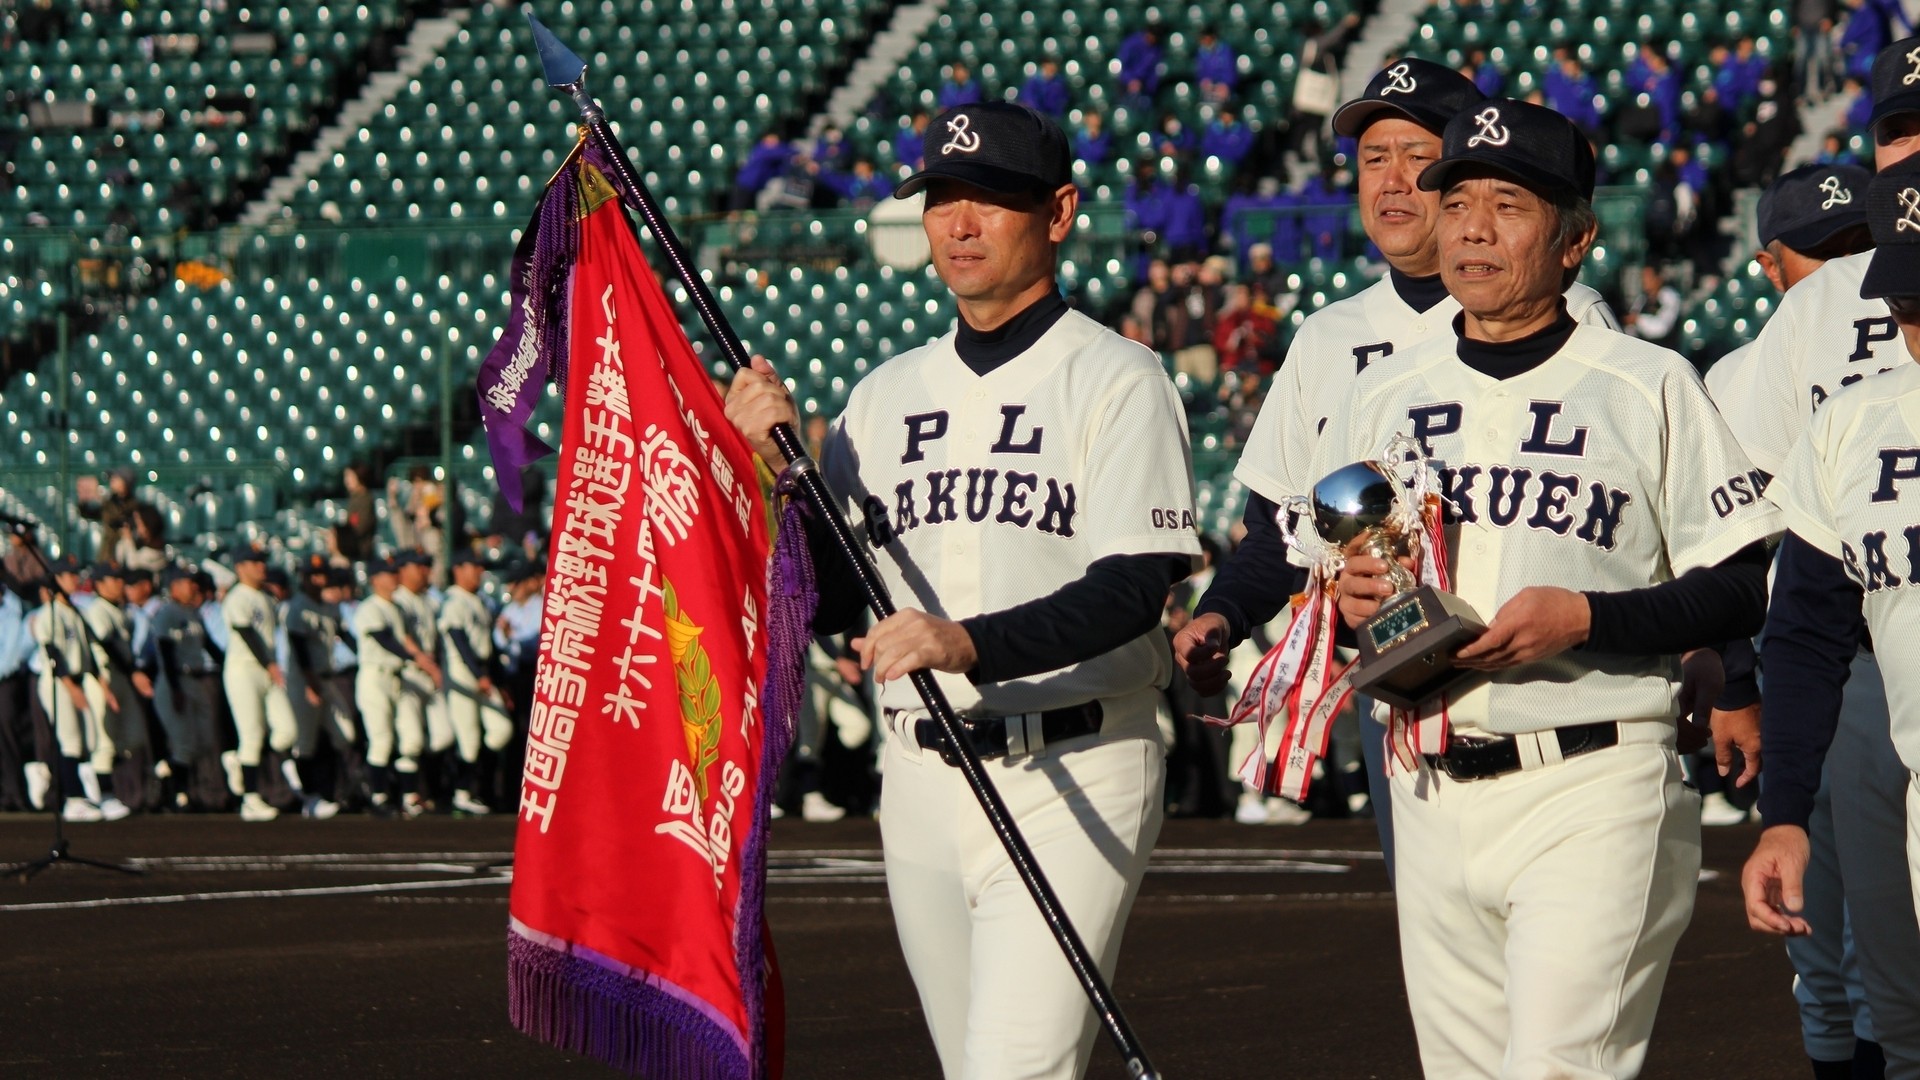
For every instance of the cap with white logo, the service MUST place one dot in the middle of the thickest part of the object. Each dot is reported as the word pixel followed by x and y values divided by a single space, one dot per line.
pixel 1410 88
pixel 1895 82
pixel 1893 213
pixel 1530 143
pixel 995 145
pixel 1805 208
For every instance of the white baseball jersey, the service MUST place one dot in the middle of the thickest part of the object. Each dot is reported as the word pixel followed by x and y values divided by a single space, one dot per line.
pixel 59 628
pixel 373 616
pixel 466 611
pixel 422 618
pixel 1604 468
pixel 247 608
pixel 1851 487
pixel 1727 375
pixel 986 491
pixel 1334 345
pixel 1822 337
pixel 111 624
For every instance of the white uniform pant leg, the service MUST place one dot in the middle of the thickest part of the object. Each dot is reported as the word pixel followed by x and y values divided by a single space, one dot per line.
pixel 281 726
pixel 247 699
pixel 378 696
pixel 1091 817
pixel 71 725
pixel 1588 869
pixel 410 717
pixel 1913 839
pixel 100 721
pixel 477 719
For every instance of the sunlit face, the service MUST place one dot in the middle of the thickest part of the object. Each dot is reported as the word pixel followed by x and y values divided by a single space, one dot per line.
pixel 469 576
pixel 989 246
pixel 1495 253
pixel 251 574
pixel 111 589
pixel 1399 218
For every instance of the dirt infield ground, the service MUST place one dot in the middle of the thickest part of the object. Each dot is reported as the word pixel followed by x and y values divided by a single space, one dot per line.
pixel 369 948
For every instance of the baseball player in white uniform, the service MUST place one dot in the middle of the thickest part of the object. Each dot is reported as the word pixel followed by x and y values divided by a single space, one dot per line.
pixel 1398 123
pixel 74 698
pixel 477 711
pixel 1548 854
pixel 256 687
pixel 1849 554
pixel 1806 217
pixel 393 717
pixel 1826 335
pixel 110 623
pixel 425 684
pixel 1025 485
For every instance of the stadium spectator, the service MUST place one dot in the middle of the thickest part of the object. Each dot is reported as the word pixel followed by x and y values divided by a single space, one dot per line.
pixel 1871 25
pixel 113 510
pixel 910 145
pixel 1188 312
pixel 832 150
pixel 1046 90
pixel 1216 67
pixel 1092 143
pixel 1324 227
pixel 20 563
pixel 1139 55
pixel 1247 334
pixel 1708 118
pixel 1149 206
pixel 1320 47
pixel 1135 101
pixel 1833 151
pixel 862 187
pixel 1226 138
pixel 1653 113
pixel 1814 77
pixel 1486 74
pixel 1263 273
pixel 959 87
pixel 143 546
pixel 767 160
pixel 1187 236
pixel 1655 314
pixel 1173 139
pixel 1150 300
pixel 1861 109
pixel 353 533
pixel 1567 89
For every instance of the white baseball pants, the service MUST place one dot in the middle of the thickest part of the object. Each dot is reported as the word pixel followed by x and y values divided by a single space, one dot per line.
pixel 476 720
pixel 418 686
pixel 261 713
pixel 1539 910
pixel 998 994
pixel 78 732
pixel 391 716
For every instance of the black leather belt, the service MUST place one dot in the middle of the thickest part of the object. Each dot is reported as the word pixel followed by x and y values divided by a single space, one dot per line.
pixel 1484 759
pixel 990 735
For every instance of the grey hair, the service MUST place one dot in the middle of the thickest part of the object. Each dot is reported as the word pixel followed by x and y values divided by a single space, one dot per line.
pixel 1573 218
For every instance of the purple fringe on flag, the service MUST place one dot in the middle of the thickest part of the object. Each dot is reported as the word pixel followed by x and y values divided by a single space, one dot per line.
pixel 571 1002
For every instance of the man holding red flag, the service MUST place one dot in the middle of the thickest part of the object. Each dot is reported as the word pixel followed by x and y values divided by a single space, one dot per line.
pixel 1026 481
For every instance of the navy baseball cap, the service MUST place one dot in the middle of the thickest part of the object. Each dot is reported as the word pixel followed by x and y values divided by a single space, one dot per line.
pixel 1895 82
pixel 1410 88
pixel 468 558
pixel 137 575
pixel 1810 205
pixel 521 571
pixel 340 577
pixel 178 572
pixel 63 565
pixel 380 566
pixel 1893 213
pixel 995 145
pixel 247 555
pixel 106 570
pixel 1529 143
pixel 277 576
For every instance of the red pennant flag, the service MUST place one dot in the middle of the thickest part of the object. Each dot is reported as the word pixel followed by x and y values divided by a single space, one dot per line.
pixel 637 930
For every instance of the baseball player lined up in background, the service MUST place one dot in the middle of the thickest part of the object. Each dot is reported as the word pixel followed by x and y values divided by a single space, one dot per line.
pixel 1548 857
pixel 185 695
pixel 423 678
pixel 1805 218
pixel 313 627
pixel 74 697
pixel 1398 123
pixel 1828 334
pixel 110 624
pixel 477 713
pixel 1026 486
pixel 393 715
pixel 256 687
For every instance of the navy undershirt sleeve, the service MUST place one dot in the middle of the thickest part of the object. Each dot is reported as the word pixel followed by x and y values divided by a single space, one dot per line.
pixel 256 644
pixel 1742 670
pixel 1703 607
pixel 390 641
pixel 298 642
pixel 1256 582
pixel 1119 598
pixel 1814 628
pixel 458 638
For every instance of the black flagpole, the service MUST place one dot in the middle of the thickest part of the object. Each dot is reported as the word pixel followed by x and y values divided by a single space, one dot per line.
pixel 566 72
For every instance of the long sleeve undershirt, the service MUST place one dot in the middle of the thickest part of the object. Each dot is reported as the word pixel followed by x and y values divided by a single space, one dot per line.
pixel 390 641
pixel 256 644
pixel 1703 607
pixel 457 637
pixel 1814 630
pixel 1256 582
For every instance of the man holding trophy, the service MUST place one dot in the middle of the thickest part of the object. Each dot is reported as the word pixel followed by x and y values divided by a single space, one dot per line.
pixel 1572 514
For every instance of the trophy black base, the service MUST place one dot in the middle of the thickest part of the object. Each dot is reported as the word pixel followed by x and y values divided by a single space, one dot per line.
pixel 1406 649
